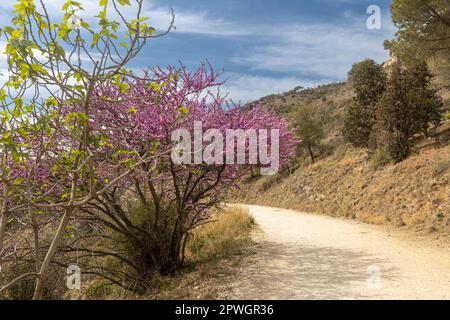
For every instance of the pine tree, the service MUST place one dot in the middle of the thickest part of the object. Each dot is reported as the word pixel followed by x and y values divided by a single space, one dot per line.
pixel 309 129
pixel 369 81
pixel 423 32
pixel 395 118
pixel 422 97
pixel 409 106
pixel 358 123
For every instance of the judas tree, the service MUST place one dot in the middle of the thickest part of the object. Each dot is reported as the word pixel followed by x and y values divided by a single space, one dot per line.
pixel 54 63
pixel 87 154
pixel 151 215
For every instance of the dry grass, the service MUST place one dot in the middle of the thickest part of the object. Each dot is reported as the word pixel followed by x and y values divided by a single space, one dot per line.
pixel 215 253
pixel 414 193
pixel 345 182
pixel 229 231
pixel 441 167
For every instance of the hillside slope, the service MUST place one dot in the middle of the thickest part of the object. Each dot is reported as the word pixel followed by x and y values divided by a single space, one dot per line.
pixel 345 182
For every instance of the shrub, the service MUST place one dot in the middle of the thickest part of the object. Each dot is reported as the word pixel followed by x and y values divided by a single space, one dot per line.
pixel 269 181
pixel 207 246
pixel 223 237
pixel 441 167
pixel 341 150
pixel 379 159
pixel 139 244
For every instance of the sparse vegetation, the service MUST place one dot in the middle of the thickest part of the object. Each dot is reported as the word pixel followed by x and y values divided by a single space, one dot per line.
pixel 441 167
pixel 379 159
pixel 226 235
pixel 405 194
pixel 390 176
pixel 409 106
pixel 213 251
pixel 90 174
pixel 309 129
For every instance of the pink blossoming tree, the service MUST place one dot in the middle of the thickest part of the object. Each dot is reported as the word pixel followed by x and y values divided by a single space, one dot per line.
pixel 89 168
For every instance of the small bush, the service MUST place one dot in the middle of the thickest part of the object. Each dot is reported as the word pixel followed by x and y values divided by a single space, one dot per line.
pixel 341 150
pixel 379 159
pixel 269 182
pixel 441 167
pixel 223 237
pixel 24 288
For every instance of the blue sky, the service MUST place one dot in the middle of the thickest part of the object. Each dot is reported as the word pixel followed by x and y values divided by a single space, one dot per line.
pixel 264 46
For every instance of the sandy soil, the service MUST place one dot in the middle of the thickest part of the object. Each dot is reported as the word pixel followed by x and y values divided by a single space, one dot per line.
pixel 306 256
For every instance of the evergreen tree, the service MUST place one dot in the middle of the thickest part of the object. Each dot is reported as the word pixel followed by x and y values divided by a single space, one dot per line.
pixel 422 97
pixel 395 118
pixel 369 81
pixel 409 106
pixel 309 129
pixel 423 32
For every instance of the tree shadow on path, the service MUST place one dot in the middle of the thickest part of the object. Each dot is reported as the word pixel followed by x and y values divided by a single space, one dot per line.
pixel 280 271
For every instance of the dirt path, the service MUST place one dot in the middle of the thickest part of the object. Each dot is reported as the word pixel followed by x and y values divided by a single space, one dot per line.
pixel 306 256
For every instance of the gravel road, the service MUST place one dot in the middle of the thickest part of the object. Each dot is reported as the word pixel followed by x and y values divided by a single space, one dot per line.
pixel 307 256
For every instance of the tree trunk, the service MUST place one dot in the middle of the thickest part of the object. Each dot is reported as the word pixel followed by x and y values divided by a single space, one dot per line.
pixel 311 154
pixel 43 273
pixel 3 221
pixel 37 246
pixel 3 217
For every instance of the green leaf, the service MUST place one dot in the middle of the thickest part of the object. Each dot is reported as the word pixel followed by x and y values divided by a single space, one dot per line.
pixel 124 2
pixel 54 170
pixel 85 25
pixel 156 86
pixel 18 103
pixel 3 95
pixel 66 5
pixel 78 116
pixel 95 39
pixel 183 110
pixel 132 110
pixel 124 87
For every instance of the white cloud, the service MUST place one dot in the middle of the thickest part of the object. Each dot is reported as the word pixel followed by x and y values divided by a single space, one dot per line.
pixel 299 51
pixel 194 22
pixel 3 76
pixel 323 51
pixel 245 88
pixel 159 17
